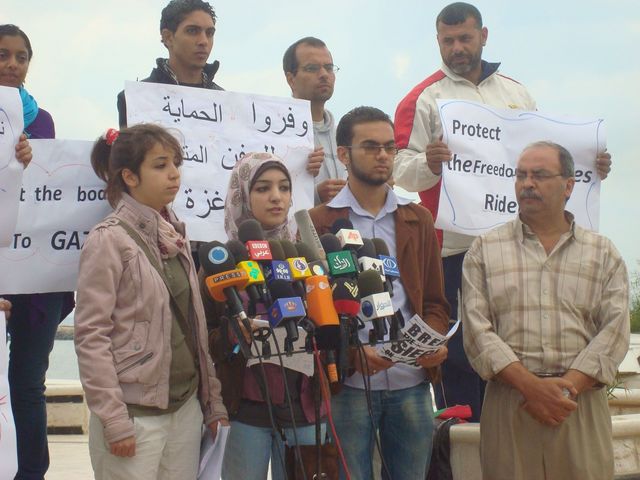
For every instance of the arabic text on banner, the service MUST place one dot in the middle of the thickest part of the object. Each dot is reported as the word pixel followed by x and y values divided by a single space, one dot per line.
pixel 216 129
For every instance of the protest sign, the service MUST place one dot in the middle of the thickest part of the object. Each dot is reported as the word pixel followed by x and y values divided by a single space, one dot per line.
pixel 61 199
pixel 217 128
pixel 11 126
pixel 477 191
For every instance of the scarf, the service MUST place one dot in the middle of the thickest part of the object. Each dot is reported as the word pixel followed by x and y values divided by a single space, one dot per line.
pixel 170 242
pixel 29 107
pixel 237 207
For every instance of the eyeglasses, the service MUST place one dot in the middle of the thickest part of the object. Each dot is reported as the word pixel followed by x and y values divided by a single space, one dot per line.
pixel 315 68
pixel 536 175
pixel 373 149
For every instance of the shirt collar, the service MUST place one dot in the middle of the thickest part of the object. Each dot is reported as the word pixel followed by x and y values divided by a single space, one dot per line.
pixel 488 69
pixel 523 230
pixel 346 199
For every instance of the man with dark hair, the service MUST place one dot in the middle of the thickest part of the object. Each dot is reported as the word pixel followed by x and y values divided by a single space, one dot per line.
pixel 418 166
pixel 401 410
pixel 311 74
pixel 546 322
pixel 187 28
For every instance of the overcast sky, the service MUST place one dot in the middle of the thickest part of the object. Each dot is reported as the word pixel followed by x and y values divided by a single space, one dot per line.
pixel 575 57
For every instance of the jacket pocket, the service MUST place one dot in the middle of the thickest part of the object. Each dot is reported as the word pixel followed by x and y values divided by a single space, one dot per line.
pixel 134 346
pixel 137 363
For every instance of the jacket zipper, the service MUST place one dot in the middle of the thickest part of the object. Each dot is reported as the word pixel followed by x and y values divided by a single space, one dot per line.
pixel 135 364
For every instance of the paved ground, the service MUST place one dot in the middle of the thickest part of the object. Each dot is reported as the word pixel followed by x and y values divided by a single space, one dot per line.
pixel 69 458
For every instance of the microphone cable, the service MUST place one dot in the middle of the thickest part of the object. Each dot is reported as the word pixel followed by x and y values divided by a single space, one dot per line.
pixel 327 403
pixel 267 395
pixel 298 453
pixel 366 380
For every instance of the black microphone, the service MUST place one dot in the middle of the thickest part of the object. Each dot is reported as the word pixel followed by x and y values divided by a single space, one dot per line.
pixel 367 258
pixel 316 265
pixel 251 234
pixel 222 281
pixel 346 300
pixel 287 310
pixel 375 304
pixel 389 263
pixel 298 266
pixel 340 261
pixel 239 252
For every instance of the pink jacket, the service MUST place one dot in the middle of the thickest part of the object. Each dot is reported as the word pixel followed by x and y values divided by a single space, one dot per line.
pixel 123 323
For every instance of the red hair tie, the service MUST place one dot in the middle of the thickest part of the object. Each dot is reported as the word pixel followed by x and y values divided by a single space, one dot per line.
pixel 110 136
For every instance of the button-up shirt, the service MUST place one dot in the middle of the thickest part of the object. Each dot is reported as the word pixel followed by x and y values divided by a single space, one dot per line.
pixel 381 226
pixel 568 309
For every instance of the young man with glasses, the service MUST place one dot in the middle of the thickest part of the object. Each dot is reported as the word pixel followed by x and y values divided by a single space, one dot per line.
pixel 545 310
pixel 461 37
pixel 311 74
pixel 401 410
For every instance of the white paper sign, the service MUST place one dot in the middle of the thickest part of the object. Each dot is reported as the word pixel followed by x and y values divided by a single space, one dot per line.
pixel 61 200
pixel 478 183
pixel 8 449
pixel 216 129
pixel 11 126
pixel 417 339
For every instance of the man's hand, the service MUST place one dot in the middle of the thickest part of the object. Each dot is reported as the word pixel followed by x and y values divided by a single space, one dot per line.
pixel 213 426
pixel 373 363
pixel 315 161
pixel 248 335
pixel 437 153
pixel 329 188
pixel 124 448
pixel 603 164
pixel 546 401
pixel 430 360
pixel 23 151
pixel 5 306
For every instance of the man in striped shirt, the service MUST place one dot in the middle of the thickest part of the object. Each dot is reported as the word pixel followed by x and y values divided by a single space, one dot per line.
pixel 422 153
pixel 546 323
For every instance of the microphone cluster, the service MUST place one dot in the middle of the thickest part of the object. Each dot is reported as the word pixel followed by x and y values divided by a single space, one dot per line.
pixel 329 285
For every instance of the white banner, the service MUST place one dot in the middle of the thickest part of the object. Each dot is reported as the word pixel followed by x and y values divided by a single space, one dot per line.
pixel 478 183
pixel 11 126
pixel 8 449
pixel 217 128
pixel 61 199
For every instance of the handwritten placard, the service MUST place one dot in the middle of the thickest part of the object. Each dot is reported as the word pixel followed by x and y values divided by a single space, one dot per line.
pixel 478 183
pixel 216 129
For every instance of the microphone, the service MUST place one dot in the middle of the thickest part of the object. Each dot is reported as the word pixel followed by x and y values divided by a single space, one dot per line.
pixel 367 258
pixel 222 282
pixel 316 266
pixel 308 233
pixel 254 273
pixel 251 234
pixel 389 263
pixel 297 265
pixel 321 311
pixel 349 238
pixel 340 262
pixel 346 299
pixel 375 304
pixel 286 310
pixel 277 268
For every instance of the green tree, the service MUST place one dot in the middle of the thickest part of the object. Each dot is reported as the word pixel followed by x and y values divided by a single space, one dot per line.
pixel 635 302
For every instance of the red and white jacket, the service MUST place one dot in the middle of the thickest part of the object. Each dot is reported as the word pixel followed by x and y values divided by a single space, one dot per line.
pixel 417 123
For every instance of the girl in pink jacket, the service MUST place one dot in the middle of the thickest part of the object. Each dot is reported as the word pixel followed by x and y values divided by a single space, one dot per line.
pixel 140 330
